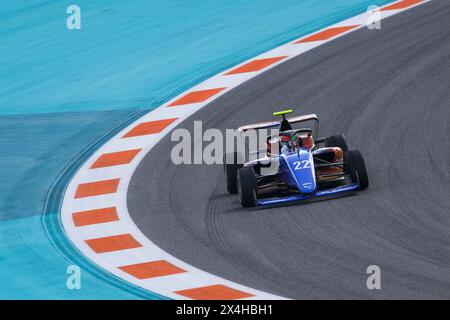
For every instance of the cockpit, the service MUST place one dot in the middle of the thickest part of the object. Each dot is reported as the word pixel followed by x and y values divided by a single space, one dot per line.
pixel 291 141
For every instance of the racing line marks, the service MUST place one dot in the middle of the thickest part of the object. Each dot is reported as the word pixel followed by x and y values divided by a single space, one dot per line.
pixel 151 127
pixel 214 292
pixel 196 97
pixel 97 188
pixel 115 158
pixel 327 34
pixel 256 65
pixel 402 5
pixel 96 216
pixel 113 243
pixel 152 269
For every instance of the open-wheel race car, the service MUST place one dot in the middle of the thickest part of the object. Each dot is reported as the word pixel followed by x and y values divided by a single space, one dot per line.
pixel 296 165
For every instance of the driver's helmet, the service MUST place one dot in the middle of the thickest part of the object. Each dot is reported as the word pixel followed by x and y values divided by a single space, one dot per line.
pixel 286 144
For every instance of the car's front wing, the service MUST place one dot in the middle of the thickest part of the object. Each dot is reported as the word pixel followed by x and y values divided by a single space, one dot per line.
pixel 300 197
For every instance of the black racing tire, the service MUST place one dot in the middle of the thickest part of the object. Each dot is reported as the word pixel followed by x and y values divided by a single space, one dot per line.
pixel 230 170
pixel 337 141
pixel 356 168
pixel 246 180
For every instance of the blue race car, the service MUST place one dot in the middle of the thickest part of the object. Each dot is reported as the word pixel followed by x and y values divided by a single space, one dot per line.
pixel 294 167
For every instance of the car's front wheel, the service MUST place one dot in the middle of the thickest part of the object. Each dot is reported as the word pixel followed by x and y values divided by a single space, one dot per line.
pixel 246 183
pixel 230 169
pixel 356 167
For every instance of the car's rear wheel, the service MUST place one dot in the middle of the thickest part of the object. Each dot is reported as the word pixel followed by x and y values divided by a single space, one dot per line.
pixel 230 169
pixel 246 182
pixel 356 168
pixel 337 141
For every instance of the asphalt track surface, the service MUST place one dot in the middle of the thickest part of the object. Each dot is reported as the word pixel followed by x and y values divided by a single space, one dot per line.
pixel 388 92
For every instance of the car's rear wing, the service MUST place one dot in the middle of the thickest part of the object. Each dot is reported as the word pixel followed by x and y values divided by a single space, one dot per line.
pixel 274 124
